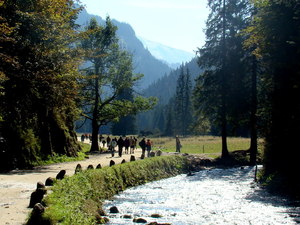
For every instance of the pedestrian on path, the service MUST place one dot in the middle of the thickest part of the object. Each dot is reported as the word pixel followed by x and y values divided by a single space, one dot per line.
pixel 148 147
pixel 178 144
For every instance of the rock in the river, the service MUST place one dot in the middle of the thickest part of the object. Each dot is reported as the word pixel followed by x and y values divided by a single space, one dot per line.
pixel 139 220
pixel 113 209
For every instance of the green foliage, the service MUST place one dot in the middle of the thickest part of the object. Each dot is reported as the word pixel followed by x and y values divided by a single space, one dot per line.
pixel 183 106
pixel 39 89
pixel 275 33
pixel 75 200
pixel 108 79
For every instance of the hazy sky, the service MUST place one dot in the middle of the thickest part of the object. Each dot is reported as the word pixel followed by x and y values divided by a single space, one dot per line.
pixel 175 23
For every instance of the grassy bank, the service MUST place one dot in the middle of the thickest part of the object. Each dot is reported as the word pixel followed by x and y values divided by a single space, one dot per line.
pixel 76 199
pixel 63 158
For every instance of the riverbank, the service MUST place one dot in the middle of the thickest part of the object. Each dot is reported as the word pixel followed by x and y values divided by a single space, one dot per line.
pixel 78 199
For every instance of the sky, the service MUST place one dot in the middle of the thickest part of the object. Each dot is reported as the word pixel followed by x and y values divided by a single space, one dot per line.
pixel 175 23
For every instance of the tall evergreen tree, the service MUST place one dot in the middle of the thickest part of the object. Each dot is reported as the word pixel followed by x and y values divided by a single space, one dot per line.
pixel 275 34
pixel 183 109
pixel 221 91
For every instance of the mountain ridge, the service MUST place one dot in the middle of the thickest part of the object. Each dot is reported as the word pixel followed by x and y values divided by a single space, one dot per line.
pixel 172 56
pixel 143 61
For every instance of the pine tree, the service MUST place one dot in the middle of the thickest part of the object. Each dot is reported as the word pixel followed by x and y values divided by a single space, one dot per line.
pixel 221 91
pixel 183 106
pixel 275 34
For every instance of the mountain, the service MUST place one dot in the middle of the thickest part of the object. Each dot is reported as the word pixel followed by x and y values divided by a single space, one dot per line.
pixel 143 61
pixel 165 87
pixel 172 56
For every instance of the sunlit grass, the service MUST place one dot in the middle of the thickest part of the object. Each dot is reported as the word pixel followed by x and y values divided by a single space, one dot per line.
pixel 201 144
pixel 63 158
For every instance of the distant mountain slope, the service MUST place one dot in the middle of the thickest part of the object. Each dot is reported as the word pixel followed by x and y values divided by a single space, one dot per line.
pixel 143 61
pixel 165 87
pixel 174 57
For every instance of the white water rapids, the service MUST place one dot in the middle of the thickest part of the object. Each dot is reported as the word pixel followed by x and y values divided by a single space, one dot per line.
pixel 216 196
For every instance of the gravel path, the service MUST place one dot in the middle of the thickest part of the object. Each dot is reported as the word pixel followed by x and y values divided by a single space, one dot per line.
pixel 17 186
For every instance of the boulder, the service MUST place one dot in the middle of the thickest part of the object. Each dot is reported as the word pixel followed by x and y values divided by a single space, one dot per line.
pixel 139 220
pixel 90 167
pixel 127 217
pixel 112 163
pixel 114 209
pixel 152 154
pixel 98 166
pixel 49 181
pixel 37 196
pixel 78 168
pixel 40 185
pixel 61 175
pixel 155 215
pixel 159 153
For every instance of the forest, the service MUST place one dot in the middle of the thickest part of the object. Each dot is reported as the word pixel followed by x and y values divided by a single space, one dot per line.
pixel 54 73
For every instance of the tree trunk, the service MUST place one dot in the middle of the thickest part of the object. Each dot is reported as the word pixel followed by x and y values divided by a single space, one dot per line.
pixel 253 120
pixel 95 126
pixel 223 90
pixel 95 130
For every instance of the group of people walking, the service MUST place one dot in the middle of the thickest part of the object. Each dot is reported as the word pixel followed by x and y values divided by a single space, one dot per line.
pixel 128 143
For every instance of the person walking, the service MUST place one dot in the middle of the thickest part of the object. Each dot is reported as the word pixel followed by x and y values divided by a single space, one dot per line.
pixel 108 140
pixel 112 146
pixel 148 147
pixel 126 144
pixel 120 145
pixel 142 144
pixel 178 144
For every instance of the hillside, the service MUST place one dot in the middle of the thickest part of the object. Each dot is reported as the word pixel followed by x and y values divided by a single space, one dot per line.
pixel 143 61
pixel 172 56
pixel 165 87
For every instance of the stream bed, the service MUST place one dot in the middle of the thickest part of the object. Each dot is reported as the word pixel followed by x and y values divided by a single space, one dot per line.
pixel 215 196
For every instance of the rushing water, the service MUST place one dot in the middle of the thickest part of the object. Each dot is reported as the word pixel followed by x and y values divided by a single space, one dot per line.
pixel 217 196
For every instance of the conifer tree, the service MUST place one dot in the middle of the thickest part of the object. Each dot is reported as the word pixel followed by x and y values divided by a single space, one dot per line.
pixel 275 35
pixel 221 90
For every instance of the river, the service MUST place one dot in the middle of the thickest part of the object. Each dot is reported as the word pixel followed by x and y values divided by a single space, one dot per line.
pixel 215 196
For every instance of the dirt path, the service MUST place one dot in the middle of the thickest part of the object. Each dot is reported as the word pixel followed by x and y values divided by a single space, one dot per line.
pixel 17 186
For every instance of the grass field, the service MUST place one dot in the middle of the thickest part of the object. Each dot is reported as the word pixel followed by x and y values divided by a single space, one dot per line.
pixel 202 144
pixel 211 145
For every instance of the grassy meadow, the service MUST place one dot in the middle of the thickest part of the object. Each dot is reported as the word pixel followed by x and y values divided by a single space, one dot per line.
pixel 211 145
